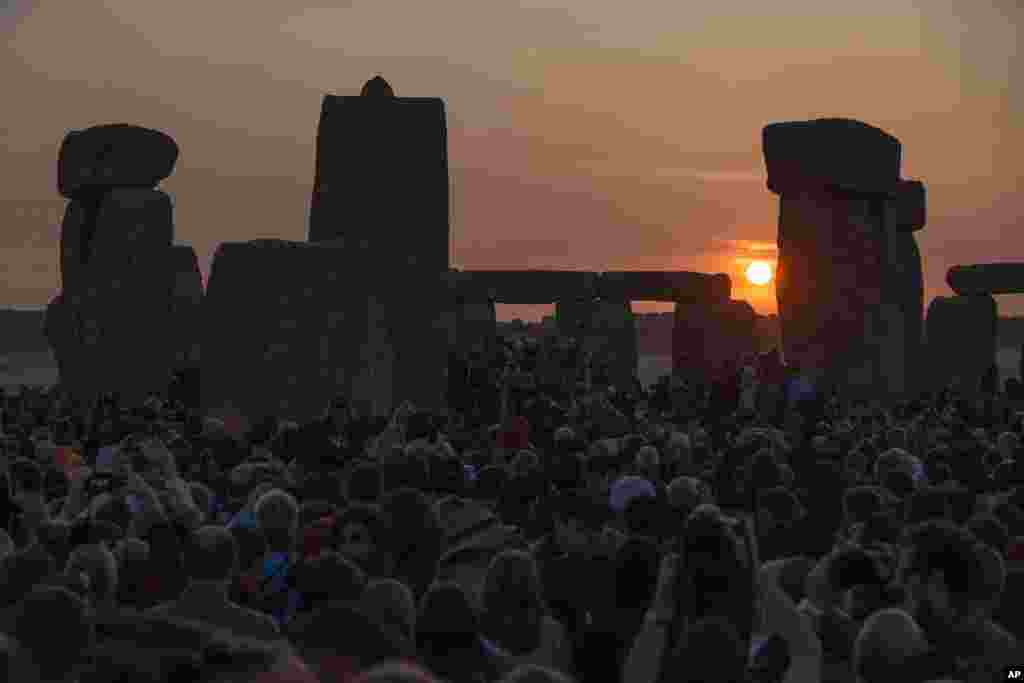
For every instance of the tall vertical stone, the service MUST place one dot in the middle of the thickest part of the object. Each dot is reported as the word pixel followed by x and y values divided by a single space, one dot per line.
pixel 381 192
pixel 382 176
pixel 709 336
pixel 961 336
pixel 848 280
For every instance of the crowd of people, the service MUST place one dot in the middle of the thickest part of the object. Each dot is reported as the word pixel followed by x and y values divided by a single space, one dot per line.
pixel 547 526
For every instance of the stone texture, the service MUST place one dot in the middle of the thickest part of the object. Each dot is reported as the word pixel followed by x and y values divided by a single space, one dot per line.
pixel 987 278
pixel 906 210
pixel 281 344
pixel 59 329
pixel 839 154
pixel 324 324
pixel 114 155
pixel 573 317
pixel 668 286
pixel 903 314
pixel 477 325
pixel 186 301
pixel 707 338
pixel 381 179
pixel 829 279
pixel 961 336
pixel 131 224
pixel 611 335
pixel 526 286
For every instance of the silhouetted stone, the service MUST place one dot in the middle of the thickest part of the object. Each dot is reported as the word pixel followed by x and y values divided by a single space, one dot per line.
pixel 280 329
pixel 287 325
pixel 829 279
pixel 382 179
pixel 131 224
pixel 574 315
pixel 526 286
pixel 477 325
pixel 114 155
pixel 708 337
pixel 906 210
pixel 903 311
pixel 185 305
pixel 830 153
pixel 961 333
pixel 611 335
pixel 668 286
pixel 987 278
pixel 72 235
pixel 60 333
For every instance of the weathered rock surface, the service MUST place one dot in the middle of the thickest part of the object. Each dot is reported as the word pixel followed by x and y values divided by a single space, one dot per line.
pixel 708 338
pixel 526 286
pixel 114 155
pixel 987 278
pixel 611 337
pixel 906 210
pixel 830 153
pixel 961 335
pixel 903 314
pixel 668 286
pixel 477 324
pixel 186 299
pixel 829 277
pixel 381 179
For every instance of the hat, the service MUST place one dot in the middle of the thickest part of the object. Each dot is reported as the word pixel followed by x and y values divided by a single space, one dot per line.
pixel 627 488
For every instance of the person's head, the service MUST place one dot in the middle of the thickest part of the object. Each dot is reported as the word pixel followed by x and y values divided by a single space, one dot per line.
pixel 413 537
pixel 54 632
pixel 940 565
pixel 1007 444
pixel 391 604
pixel 636 572
pixel 277 514
pixel 644 516
pixel 778 508
pixel 860 502
pixel 512 590
pixel 356 530
pixel 888 638
pixel 364 484
pixel 575 519
pixel 211 555
pixel 710 651
pixel 648 462
pixel 99 564
pixel 685 494
pixel 445 620
pixel 329 577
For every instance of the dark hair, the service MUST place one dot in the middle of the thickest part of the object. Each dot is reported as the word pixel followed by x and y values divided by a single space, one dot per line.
pixel 991 531
pixel 710 650
pixel 943 546
pixel 445 618
pixel 327 578
pixel 211 554
pixel 364 484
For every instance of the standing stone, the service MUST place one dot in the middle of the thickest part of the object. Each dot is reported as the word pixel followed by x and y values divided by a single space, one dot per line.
pixel 709 337
pixel 846 284
pixel 574 316
pixel 962 335
pixel 382 177
pixel 281 345
pixel 612 335
pixel 114 155
pixel 186 300
pixel 477 325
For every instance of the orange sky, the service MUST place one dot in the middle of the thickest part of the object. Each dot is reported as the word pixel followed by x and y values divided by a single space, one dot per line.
pixel 596 135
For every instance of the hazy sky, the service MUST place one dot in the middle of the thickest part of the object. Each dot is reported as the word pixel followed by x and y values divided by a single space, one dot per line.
pixel 596 134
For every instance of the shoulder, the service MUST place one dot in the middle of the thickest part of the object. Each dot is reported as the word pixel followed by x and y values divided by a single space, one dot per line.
pixel 261 623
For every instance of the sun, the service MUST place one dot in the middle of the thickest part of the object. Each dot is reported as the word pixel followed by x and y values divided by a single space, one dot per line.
pixel 759 272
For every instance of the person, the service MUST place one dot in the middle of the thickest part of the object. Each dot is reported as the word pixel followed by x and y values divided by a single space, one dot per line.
pixel 211 560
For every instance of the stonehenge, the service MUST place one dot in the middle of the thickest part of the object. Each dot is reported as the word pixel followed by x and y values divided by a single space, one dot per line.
pixel 849 271
pixel 369 305
pixel 119 323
